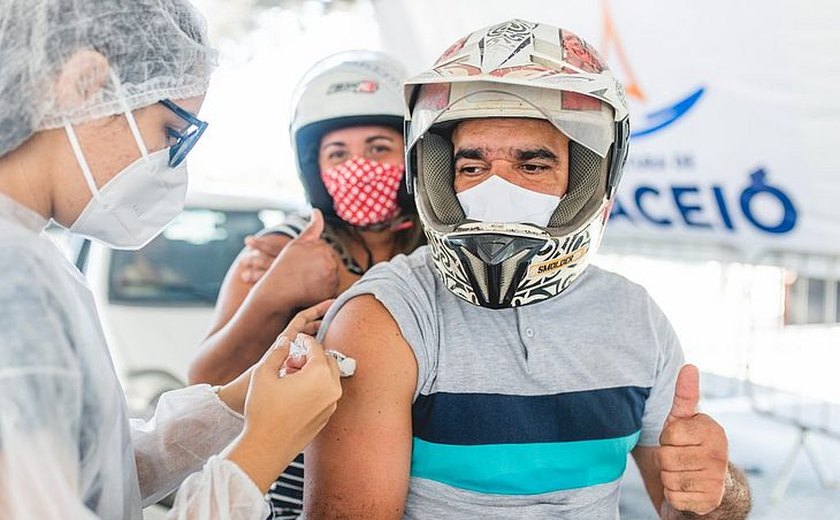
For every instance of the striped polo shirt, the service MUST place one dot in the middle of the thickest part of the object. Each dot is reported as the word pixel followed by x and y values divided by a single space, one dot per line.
pixel 527 412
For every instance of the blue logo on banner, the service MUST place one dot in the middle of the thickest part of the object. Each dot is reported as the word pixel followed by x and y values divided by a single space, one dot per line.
pixel 658 119
pixel 664 117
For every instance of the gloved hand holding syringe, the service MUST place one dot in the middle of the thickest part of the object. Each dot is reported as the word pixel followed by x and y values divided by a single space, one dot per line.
pixel 298 352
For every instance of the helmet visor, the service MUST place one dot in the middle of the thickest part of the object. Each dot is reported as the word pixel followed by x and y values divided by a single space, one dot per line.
pixel 583 119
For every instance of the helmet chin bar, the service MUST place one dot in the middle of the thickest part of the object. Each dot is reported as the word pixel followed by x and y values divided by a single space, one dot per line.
pixel 495 264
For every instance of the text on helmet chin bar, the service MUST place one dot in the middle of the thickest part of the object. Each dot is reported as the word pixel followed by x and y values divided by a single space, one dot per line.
pixel 547 268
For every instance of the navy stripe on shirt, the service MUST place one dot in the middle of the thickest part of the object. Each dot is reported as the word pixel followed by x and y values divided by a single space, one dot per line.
pixel 471 419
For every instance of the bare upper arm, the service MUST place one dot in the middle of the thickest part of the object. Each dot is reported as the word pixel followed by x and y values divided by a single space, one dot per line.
pixel 358 467
pixel 234 290
pixel 645 457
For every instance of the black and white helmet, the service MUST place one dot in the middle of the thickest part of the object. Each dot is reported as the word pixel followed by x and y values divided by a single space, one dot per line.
pixel 352 88
pixel 516 69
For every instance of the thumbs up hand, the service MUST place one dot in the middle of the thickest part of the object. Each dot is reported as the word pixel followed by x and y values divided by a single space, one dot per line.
pixel 315 229
pixel 306 271
pixel 260 252
pixel 693 453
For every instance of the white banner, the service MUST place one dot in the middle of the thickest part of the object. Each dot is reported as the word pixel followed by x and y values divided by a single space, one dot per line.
pixel 734 108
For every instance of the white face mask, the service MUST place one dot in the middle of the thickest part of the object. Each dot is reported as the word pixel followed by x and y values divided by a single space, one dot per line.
pixel 138 203
pixel 497 200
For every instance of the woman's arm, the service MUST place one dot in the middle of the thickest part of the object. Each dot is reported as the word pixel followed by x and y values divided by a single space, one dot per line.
pixel 281 415
pixel 304 273
pixel 245 323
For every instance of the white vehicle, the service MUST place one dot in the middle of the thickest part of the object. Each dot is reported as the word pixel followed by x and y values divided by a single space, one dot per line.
pixel 156 303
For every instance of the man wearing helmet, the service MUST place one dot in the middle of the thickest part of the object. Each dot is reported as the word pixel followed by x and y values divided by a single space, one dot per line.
pixel 499 374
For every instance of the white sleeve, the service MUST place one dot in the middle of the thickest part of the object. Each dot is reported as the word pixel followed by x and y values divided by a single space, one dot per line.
pixel 220 491
pixel 189 426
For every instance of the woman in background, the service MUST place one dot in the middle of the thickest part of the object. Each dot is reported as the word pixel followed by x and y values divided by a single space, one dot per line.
pixel 347 137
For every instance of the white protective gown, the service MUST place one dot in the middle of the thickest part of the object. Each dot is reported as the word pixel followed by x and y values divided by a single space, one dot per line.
pixel 67 448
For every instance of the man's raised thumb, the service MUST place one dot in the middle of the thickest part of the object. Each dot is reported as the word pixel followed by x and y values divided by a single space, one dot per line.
pixel 686 394
pixel 315 228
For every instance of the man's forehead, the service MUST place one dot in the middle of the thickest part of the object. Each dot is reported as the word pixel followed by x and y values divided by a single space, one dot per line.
pixel 537 151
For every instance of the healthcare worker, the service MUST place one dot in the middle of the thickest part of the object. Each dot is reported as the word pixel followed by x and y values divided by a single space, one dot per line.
pixel 97 113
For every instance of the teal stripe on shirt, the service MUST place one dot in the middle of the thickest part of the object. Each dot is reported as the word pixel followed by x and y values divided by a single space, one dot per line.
pixel 523 469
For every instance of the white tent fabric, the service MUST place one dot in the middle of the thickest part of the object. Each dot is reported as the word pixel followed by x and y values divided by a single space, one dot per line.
pixel 735 119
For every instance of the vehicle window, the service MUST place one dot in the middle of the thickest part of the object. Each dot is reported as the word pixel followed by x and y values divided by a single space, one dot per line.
pixel 186 264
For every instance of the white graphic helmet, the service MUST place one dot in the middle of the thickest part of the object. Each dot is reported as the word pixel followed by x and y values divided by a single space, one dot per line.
pixel 352 88
pixel 516 69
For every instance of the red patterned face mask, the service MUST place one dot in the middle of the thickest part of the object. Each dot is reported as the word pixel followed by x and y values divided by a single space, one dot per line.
pixel 364 192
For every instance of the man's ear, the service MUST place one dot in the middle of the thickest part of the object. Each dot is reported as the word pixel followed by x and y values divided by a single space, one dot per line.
pixel 82 76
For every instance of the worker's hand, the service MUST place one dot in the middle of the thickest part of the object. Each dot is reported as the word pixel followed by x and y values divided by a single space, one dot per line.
pixel 291 410
pixel 693 454
pixel 307 321
pixel 282 415
pixel 304 273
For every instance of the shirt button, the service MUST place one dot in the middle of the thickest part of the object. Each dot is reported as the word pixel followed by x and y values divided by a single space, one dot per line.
pixel 529 333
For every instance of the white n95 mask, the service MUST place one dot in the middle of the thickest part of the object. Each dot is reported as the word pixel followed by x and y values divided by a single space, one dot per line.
pixel 138 203
pixel 497 200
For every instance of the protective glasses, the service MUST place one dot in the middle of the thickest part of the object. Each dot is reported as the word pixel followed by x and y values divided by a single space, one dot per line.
pixel 184 140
